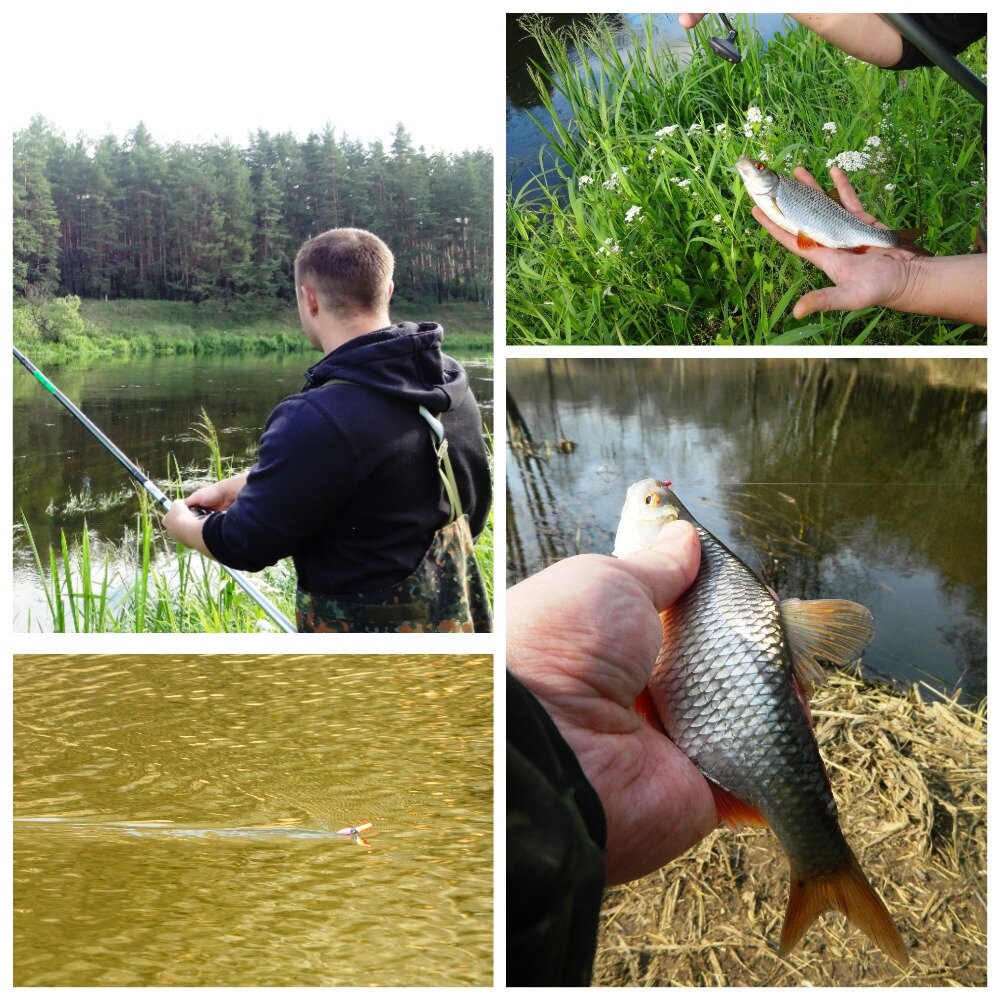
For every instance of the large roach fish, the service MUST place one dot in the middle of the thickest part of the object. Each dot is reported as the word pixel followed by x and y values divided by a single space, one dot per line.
pixel 727 688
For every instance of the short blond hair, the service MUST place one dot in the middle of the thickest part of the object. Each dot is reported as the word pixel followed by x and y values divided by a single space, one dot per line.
pixel 351 268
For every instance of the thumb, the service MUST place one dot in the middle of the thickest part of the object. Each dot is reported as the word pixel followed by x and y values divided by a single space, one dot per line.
pixel 824 300
pixel 669 567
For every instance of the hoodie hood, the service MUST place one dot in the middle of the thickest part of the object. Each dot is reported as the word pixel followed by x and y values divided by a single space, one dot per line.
pixel 405 361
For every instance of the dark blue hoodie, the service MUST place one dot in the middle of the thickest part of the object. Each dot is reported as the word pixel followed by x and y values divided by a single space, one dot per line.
pixel 346 481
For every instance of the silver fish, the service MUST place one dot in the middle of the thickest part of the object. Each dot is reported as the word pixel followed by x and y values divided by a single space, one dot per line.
pixel 727 689
pixel 814 217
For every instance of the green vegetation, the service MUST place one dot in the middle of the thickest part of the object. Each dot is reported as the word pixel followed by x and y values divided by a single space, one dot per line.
pixel 134 219
pixel 642 235
pixel 149 583
pixel 59 329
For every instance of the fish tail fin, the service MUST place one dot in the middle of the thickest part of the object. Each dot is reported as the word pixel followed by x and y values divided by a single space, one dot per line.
pixel 908 241
pixel 849 892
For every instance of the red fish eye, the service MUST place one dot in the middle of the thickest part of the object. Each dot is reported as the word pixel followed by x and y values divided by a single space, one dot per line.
pixel 758 164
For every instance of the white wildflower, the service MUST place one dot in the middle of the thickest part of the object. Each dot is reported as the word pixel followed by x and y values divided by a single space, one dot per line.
pixel 607 291
pixel 717 218
pixel 612 182
pixel 890 187
pixel 754 114
pixel 635 212
pixel 585 180
pixel 873 140
pixel 747 132
pixel 768 120
pixel 694 129
pixel 764 157
pixel 720 128
pixel 666 130
pixel 830 127
pixel 851 160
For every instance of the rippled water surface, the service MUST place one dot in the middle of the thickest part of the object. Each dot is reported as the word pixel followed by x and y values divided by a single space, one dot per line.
pixel 861 480
pixel 176 818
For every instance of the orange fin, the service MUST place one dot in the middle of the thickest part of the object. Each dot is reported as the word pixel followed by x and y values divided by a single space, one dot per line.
pixel 848 892
pixel 647 710
pixel 734 812
pixel 835 631
pixel 862 249
pixel 806 242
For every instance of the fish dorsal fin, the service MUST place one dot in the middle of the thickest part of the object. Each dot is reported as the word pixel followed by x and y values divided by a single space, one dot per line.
pixel 835 631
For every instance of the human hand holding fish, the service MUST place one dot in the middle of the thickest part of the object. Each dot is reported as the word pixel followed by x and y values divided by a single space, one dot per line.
pixel 895 277
pixel 582 636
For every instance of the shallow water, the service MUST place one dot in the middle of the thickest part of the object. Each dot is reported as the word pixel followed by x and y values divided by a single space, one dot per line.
pixel 862 480
pixel 176 818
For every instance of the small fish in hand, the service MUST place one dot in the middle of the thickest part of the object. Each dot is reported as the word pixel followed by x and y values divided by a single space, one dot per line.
pixel 814 217
pixel 728 689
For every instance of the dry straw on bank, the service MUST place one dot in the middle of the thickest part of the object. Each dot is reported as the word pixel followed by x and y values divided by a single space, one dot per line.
pixel 909 776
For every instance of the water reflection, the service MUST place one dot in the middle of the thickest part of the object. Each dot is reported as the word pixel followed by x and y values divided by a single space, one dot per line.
pixel 850 479
pixel 251 764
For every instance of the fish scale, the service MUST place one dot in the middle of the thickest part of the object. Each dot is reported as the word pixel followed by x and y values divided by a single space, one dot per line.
pixel 727 689
pixel 723 688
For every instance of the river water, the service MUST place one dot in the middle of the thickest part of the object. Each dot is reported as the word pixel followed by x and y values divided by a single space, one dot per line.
pixel 148 407
pixel 176 818
pixel 863 480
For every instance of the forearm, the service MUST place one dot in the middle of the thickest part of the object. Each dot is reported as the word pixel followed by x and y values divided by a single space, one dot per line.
pixel 864 36
pixel 949 287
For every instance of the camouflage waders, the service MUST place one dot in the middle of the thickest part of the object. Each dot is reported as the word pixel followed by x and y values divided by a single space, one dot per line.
pixel 445 593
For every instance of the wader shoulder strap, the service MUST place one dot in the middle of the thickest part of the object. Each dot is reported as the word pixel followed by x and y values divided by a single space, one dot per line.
pixel 440 446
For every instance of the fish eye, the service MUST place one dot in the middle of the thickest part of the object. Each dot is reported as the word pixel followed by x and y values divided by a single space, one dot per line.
pixel 653 500
pixel 758 165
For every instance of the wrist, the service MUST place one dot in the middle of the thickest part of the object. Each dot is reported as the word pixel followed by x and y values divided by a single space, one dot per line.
pixel 905 289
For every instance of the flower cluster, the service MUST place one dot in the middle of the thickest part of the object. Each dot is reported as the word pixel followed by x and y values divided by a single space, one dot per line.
pixel 871 156
pixel 584 181
pixel 615 179
pixel 609 246
pixel 635 212
pixel 757 122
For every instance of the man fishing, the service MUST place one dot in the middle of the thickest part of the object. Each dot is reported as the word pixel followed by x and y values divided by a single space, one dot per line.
pixel 948 287
pixel 374 478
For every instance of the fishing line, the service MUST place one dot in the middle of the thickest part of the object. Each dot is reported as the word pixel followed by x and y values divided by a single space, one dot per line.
pixel 149 486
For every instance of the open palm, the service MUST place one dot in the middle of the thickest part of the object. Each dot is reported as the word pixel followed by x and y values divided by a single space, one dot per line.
pixel 583 636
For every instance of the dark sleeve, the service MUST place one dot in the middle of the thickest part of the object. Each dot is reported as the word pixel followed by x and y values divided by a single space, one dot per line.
pixel 956 32
pixel 555 852
pixel 305 469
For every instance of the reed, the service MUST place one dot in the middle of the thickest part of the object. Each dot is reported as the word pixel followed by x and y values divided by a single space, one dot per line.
pixel 149 583
pixel 641 233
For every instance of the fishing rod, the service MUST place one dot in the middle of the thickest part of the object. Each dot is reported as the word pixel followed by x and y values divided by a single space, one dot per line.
pixel 150 487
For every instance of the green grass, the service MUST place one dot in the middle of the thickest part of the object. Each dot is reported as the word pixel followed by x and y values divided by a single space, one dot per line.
pixel 693 266
pixel 73 329
pixel 149 583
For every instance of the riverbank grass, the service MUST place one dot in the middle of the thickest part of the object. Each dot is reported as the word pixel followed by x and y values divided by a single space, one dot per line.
pixel 70 328
pixel 149 583
pixel 642 233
